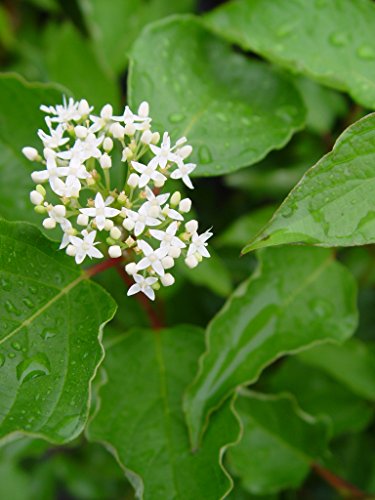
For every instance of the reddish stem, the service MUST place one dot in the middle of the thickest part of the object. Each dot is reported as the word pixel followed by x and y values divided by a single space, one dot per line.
pixel 102 266
pixel 155 322
pixel 340 485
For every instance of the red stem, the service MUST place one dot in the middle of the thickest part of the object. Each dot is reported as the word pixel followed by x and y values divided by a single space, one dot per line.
pixel 102 266
pixel 155 322
pixel 340 485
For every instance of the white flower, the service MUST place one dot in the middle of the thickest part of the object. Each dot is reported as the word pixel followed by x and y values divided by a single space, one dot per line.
pixel 52 172
pixel 84 149
pixel 65 112
pixel 56 137
pixel 141 219
pixel 148 172
pixel 143 285
pixel 154 203
pixel 99 122
pixel 199 244
pixel 68 230
pixel 140 121
pixel 101 211
pixel 171 213
pixel 182 172
pixel 85 247
pixel 168 237
pixel 58 213
pixel 164 152
pixel 152 258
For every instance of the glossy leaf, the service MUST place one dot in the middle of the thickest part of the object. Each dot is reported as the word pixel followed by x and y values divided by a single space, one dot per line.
pixel 352 364
pixel 114 28
pixel 279 443
pixel 232 110
pixel 334 202
pixel 331 41
pixel 140 417
pixel 20 119
pixel 51 318
pixel 296 298
pixel 321 395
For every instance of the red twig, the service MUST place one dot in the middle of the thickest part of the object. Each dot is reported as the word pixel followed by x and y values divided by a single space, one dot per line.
pixel 102 266
pixel 155 321
pixel 340 485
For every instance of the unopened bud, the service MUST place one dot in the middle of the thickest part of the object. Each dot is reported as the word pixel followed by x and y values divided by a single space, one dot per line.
pixel 114 251
pixel 144 109
pixel 117 130
pixel 167 279
pixel 191 226
pixel 108 225
pixel 127 154
pixel 115 233
pixel 131 268
pixel 130 129
pixel 30 153
pixel 175 198
pixel 191 261
pixel 128 224
pixel 174 252
pixel 133 180
pixel 107 144
pixel 41 190
pixel 71 250
pixel 130 241
pixel 105 161
pixel 82 220
pixel 167 262
pixel 185 205
pixel 83 107
pixel 122 198
pixel 155 138
pixel 36 198
pixel 146 137
pixel 49 223
pixel 106 112
pixel 160 183
pixel 81 132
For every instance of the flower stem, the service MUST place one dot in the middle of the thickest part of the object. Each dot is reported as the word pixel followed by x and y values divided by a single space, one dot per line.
pixel 154 319
pixel 102 266
pixel 344 488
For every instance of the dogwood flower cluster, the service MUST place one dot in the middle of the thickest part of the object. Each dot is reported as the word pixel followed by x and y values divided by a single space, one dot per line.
pixel 137 222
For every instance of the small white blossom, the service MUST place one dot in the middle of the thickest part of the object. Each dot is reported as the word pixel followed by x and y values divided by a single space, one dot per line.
pixel 101 211
pixel 199 244
pixel 56 137
pixel 52 172
pixel 141 219
pixel 143 285
pixel 182 172
pixel 85 247
pixel 168 237
pixel 164 152
pixel 63 113
pixel 148 172
pixel 152 258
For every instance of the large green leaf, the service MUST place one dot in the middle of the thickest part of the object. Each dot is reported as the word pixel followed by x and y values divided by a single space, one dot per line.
pixel 20 118
pixel 140 417
pixel 334 202
pixel 114 26
pixel 232 110
pixel 352 364
pixel 73 61
pixel 298 297
pixel 319 394
pixel 51 320
pixel 329 40
pixel 278 445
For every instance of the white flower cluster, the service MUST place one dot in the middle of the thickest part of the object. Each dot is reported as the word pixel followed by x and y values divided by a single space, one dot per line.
pixel 138 223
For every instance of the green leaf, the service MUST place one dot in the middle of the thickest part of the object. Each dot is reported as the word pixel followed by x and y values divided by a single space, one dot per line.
pixel 352 364
pixel 279 443
pixel 140 419
pixel 232 110
pixel 334 202
pixel 115 26
pixel 319 394
pixel 51 320
pixel 331 41
pixel 296 298
pixel 72 61
pixel 20 119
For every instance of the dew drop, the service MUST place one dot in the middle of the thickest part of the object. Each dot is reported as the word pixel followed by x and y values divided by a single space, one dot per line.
pixel 32 290
pixel 284 30
pixel 339 39
pixel 204 155
pixel 47 333
pixel 320 307
pixel 2 359
pixel 11 308
pixel 67 425
pixel 16 346
pixel 5 284
pixel 176 117
pixel 28 303
pixel 33 367
pixel 366 52
pixel 11 355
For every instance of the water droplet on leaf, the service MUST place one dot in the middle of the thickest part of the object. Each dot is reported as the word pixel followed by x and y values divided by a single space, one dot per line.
pixel 366 52
pixel 33 367
pixel 204 155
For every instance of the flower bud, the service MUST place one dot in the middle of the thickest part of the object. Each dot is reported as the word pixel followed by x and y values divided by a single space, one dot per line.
pixel 30 153
pixel 146 137
pixel 114 251
pixel 185 205
pixel 160 183
pixel 49 223
pixel 108 224
pixel 133 180
pixel 130 241
pixel 155 138
pixel 117 130
pixel 105 161
pixel 191 261
pixel 71 250
pixel 36 198
pixel 128 224
pixel 167 279
pixel 106 112
pixel 191 226
pixel 130 129
pixel 185 151
pixel 58 211
pixel 107 144
pixel 115 233
pixel 39 209
pixel 91 181
pixel 144 109
pixel 83 107
pixel 82 220
pixel 175 198
pixel 38 177
pixel 131 268
pixel 167 262
pixel 122 198
pixel 81 132
pixel 41 190
pixel 127 154
pixel 174 252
